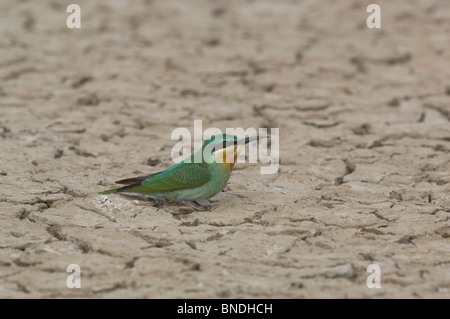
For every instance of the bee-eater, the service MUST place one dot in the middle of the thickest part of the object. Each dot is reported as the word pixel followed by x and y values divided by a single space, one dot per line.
pixel 188 182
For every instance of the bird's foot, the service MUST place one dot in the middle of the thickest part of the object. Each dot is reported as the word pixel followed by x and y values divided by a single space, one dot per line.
pixel 205 203
pixel 197 205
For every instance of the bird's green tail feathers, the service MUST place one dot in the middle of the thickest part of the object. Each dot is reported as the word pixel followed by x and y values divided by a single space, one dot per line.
pixel 110 191
pixel 127 189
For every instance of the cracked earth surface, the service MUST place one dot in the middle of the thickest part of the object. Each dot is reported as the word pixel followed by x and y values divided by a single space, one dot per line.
pixel 364 148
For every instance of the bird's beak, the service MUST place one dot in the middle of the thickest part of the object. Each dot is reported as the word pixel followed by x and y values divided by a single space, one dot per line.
pixel 251 139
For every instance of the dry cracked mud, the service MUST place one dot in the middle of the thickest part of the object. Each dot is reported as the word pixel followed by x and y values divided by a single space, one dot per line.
pixel 364 176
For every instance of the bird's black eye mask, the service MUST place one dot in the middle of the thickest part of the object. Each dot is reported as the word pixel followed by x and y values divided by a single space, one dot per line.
pixel 226 144
pixel 223 145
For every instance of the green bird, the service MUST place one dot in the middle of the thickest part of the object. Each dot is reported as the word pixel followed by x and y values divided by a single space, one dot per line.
pixel 189 182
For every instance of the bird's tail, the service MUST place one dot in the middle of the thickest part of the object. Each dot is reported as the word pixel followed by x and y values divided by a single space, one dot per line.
pixel 134 188
pixel 110 191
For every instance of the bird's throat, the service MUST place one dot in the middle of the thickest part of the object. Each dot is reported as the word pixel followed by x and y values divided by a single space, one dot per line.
pixel 228 156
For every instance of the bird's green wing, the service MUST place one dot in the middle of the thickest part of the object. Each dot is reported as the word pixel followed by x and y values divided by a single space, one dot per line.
pixel 180 176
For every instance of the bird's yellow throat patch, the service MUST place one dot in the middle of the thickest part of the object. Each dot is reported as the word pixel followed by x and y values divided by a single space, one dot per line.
pixel 228 156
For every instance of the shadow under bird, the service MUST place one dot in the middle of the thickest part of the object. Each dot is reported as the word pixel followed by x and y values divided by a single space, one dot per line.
pixel 188 182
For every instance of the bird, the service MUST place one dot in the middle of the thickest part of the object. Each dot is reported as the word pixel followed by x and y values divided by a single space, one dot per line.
pixel 191 180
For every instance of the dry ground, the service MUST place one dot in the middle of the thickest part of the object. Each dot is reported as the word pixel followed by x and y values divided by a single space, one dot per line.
pixel 364 141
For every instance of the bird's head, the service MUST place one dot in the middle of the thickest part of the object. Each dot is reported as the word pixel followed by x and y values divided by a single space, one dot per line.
pixel 225 148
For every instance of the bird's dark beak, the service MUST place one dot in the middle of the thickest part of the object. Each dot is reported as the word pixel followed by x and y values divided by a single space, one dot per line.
pixel 251 139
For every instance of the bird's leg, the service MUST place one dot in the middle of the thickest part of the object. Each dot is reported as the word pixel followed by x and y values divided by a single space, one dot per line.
pixel 195 205
pixel 204 203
